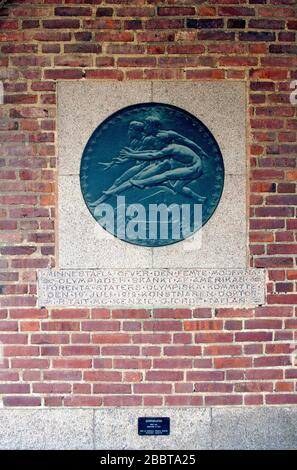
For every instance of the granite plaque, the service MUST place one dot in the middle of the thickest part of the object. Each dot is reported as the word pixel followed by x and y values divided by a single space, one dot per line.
pixel 98 121
pixel 151 287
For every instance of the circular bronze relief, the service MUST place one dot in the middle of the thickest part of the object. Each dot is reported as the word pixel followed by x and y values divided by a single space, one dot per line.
pixel 152 174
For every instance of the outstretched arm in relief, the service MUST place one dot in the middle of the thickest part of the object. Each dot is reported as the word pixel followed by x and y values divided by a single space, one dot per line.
pixel 188 142
pixel 142 155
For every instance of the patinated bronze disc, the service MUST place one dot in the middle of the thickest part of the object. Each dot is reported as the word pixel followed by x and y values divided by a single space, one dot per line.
pixel 147 169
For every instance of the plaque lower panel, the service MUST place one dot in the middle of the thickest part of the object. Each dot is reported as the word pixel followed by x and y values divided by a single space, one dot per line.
pixel 151 287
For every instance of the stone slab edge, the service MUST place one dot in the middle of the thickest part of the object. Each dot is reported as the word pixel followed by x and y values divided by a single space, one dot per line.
pixel 260 428
pixel 151 287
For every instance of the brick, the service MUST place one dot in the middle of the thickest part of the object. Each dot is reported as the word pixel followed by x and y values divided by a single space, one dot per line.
pixel 122 401
pixel 29 24
pixel 247 336
pixel 132 363
pixel 274 262
pixel 182 350
pixel 102 376
pixel 146 338
pixel 14 351
pixel 182 400
pixel 100 313
pixel 203 325
pixel 120 350
pixel 234 362
pixel 105 11
pixel 213 388
pixel 213 337
pixel 172 313
pixel 276 12
pixel 162 326
pixel 136 62
pixel 73 11
pixel 127 313
pixel 49 338
pixel 226 48
pixel 238 61
pixel 85 48
pixel 236 23
pixel 176 363
pixel 275 399
pixel 132 24
pixel 102 24
pixel 52 36
pixel 100 325
pixel 112 388
pixel 113 338
pixel 83 36
pixel 162 74
pixel 51 388
pixel 222 350
pixel 148 37
pixel 281 249
pixel 211 23
pixel 282 299
pixel 152 400
pixel 124 49
pixel 70 313
pixel 179 49
pixel 272 361
pixel 292 24
pixel 80 350
pixel 31 363
pixel 205 376
pixel 82 401
pixel 8 325
pixel 28 313
pixel 61 24
pixel 105 74
pixel 164 375
pixel 62 375
pixel 152 388
pixel 202 313
pixel 236 11
pixel 205 74
pixel 56 74
pixel 72 363
pixel 176 11
pixel 257 36
pixel 21 401
pixel 182 338
pixel 253 387
pixel 266 24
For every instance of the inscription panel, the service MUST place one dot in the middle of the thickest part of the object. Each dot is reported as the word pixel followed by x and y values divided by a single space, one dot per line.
pixel 151 287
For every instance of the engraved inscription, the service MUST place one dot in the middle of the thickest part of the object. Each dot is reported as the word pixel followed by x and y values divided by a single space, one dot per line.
pixel 151 287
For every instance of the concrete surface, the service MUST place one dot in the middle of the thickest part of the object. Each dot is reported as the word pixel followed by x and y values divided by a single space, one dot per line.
pixel 116 428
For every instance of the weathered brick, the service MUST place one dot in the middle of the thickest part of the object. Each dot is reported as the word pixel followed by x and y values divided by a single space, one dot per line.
pixel 157 357
pixel 61 24
pixel 73 11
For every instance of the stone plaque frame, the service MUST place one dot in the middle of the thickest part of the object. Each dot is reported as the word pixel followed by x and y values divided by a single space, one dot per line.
pixel 83 243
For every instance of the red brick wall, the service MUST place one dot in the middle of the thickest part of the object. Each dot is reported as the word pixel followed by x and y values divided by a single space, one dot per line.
pixel 94 357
